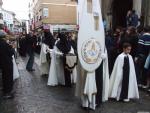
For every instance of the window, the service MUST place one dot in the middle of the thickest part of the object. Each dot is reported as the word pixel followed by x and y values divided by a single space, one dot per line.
pixel 45 12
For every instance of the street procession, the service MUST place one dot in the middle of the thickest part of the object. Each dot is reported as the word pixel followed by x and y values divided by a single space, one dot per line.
pixel 69 56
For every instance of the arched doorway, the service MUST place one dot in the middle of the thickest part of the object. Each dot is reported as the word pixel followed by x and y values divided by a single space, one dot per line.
pixel 119 12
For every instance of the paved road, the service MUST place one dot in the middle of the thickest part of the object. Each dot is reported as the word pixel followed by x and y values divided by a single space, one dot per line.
pixel 34 96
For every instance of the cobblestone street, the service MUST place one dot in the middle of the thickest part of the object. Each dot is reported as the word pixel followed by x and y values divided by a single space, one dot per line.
pixel 34 96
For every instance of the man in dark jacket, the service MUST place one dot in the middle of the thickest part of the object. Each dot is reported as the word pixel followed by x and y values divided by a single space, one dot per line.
pixel 143 52
pixel 31 44
pixel 6 65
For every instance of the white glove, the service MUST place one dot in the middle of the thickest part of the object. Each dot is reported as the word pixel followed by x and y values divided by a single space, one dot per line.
pixel 58 53
pixel 103 56
pixel 49 50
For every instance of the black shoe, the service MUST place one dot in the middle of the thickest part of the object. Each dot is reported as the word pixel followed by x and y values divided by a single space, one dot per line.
pixel 8 96
pixel 30 70
pixel 44 75
pixel 84 108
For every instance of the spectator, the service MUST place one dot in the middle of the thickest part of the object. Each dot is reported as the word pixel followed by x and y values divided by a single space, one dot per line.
pixel 132 38
pixel 31 43
pixel 143 51
pixel 129 18
pixel 6 65
pixel 134 19
pixel 140 31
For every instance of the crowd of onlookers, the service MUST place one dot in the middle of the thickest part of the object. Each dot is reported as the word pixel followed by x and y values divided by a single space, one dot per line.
pixel 139 38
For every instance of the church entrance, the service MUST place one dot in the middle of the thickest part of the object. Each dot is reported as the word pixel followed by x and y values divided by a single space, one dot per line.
pixel 119 12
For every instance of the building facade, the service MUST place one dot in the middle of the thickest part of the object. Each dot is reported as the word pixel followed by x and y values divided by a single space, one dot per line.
pixel 53 13
pixel 60 13
pixel 7 20
pixel 115 11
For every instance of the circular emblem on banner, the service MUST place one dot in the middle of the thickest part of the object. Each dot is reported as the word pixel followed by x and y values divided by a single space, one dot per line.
pixel 91 51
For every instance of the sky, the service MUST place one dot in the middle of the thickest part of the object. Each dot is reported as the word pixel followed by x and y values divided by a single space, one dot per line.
pixel 19 7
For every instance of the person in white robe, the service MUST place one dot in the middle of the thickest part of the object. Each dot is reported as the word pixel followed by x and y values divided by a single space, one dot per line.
pixel 81 85
pixel 90 22
pixel 44 64
pixel 48 43
pixel 56 72
pixel 123 82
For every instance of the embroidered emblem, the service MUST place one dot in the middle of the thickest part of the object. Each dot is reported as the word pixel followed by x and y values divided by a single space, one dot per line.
pixel 91 51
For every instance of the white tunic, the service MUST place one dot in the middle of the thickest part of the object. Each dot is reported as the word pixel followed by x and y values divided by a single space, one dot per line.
pixel 44 65
pixel 117 76
pixel 56 72
pixel 15 69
